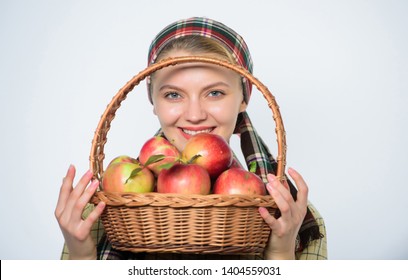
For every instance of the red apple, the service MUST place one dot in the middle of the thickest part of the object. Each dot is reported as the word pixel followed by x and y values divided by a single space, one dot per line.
pixel 117 178
pixel 158 146
pixel 123 158
pixel 184 179
pixel 239 181
pixel 215 153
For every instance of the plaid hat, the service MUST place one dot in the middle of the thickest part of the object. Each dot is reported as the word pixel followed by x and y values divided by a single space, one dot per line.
pixel 207 28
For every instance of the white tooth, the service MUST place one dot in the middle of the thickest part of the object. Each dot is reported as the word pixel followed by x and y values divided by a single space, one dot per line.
pixel 194 132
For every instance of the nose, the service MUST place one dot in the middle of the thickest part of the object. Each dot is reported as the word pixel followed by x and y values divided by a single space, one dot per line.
pixel 195 111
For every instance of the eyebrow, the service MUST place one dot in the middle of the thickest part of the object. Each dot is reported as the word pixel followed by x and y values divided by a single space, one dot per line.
pixel 216 84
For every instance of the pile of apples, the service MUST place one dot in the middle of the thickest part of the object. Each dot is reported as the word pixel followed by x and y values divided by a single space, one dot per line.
pixel 205 166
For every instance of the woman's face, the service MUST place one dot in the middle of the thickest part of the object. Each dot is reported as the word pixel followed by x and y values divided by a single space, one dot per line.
pixel 196 97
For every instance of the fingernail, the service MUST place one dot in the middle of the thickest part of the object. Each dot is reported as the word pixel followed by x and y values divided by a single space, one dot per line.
pixel 290 169
pixel 271 177
pixel 262 210
pixel 101 205
pixel 269 187
pixel 69 168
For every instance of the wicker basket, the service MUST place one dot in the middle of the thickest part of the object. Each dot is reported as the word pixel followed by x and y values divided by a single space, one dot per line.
pixel 211 224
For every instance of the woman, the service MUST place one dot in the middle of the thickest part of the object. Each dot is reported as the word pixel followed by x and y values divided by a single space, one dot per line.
pixel 189 99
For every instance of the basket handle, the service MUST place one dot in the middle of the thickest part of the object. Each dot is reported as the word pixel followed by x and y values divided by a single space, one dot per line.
pixel 97 151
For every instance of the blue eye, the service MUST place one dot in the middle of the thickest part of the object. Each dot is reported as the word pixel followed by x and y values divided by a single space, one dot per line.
pixel 172 95
pixel 215 93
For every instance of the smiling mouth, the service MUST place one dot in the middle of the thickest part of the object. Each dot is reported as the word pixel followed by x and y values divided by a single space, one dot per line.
pixel 194 132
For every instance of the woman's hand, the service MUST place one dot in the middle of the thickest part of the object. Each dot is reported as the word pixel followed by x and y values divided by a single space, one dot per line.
pixel 71 203
pixel 282 240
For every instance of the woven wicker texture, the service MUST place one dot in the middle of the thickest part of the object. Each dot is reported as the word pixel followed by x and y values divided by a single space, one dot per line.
pixel 154 222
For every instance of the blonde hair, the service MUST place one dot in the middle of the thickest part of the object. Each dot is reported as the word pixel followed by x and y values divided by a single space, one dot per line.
pixel 197 45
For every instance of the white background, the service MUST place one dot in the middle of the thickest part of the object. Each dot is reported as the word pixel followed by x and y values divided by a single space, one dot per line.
pixel 337 68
